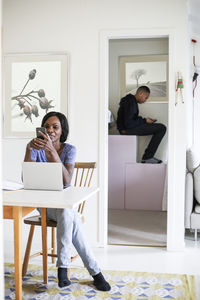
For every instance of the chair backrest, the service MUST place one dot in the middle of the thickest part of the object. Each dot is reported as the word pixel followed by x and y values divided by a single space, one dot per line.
pixel 83 176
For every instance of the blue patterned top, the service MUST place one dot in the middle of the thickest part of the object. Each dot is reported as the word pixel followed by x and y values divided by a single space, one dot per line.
pixel 68 155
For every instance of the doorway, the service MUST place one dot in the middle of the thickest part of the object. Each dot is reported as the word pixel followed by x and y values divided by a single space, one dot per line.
pixel 175 226
pixel 137 204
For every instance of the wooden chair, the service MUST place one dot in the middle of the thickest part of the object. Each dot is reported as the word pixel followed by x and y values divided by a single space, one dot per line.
pixel 82 177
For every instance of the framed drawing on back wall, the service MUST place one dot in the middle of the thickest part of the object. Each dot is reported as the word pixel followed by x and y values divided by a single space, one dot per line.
pixel 34 84
pixel 151 71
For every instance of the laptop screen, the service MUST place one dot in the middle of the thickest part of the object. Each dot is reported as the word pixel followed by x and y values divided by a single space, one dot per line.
pixel 42 176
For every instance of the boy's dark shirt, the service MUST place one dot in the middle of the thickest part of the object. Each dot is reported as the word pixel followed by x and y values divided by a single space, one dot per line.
pixel 127 116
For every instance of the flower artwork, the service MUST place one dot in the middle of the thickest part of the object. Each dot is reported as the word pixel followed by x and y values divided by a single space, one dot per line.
pixel 25 100
pixel 34 84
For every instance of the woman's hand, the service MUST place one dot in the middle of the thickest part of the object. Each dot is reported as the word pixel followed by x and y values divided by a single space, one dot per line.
pixel 33 144
pixel 48 146
pixel 36 144
pixel 45 143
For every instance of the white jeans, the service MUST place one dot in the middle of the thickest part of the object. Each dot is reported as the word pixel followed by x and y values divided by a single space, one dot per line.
pixel 69 231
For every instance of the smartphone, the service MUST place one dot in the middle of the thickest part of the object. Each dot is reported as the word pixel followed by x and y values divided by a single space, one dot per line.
pixel 154 120
pixel 38 134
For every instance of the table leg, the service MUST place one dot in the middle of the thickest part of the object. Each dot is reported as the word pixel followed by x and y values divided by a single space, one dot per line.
pixel 44 243
pixel 17 216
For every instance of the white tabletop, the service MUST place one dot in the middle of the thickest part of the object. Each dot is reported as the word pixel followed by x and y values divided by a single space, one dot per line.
pixel 68 198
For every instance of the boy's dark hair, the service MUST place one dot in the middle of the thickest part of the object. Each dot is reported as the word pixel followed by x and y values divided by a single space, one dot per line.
pixel 144 89
pixel 63 122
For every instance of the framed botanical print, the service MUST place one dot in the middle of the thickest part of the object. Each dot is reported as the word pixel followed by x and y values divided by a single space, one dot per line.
pixel 34 84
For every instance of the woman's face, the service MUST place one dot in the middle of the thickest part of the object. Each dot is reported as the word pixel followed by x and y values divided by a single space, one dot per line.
pixel 53 128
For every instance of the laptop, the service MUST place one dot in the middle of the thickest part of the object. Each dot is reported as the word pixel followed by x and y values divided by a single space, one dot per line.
pixel 42 176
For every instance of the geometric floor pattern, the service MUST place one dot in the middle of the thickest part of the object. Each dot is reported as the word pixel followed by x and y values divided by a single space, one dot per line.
pixel 126 285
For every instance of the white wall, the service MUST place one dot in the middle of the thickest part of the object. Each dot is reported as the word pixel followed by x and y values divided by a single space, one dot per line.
pixel 1 215
pixel 193 103
pixel 195 116
pixel 158 111
pixel 74 27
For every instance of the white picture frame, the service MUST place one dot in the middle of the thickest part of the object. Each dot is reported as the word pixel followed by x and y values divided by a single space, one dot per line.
pixel 28 96
pixel 151 71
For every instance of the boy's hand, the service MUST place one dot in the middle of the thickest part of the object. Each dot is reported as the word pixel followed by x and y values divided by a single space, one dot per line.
pixel 154 120
pixel 149 120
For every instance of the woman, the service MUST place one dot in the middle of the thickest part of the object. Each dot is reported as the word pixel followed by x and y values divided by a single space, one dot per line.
pixel 54 149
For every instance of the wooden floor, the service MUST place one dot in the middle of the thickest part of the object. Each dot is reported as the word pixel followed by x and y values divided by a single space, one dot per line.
pixel 137 227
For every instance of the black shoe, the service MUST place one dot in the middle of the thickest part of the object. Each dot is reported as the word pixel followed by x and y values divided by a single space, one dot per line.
pixel 63 278
pixel 151 160
pixel 100 283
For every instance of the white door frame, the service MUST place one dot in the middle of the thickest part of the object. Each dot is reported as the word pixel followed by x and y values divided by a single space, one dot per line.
pixel 105 36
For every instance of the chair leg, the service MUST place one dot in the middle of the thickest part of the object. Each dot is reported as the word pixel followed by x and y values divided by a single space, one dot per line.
pixel 195 235
pixel 74 257
pixel 68 273
pixel 28 250
pixel 53 244
pixel 44 244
